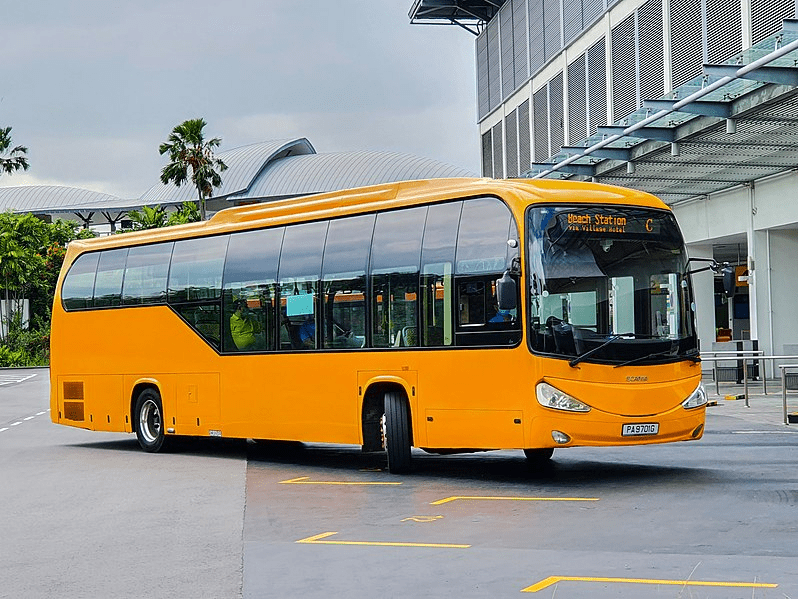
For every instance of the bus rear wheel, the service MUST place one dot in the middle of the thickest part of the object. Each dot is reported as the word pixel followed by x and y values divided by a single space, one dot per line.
pixel 149 421
pixel 396 432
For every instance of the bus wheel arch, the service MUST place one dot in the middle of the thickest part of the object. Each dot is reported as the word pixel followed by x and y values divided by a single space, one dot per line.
pixel 387 423
pixel 147 417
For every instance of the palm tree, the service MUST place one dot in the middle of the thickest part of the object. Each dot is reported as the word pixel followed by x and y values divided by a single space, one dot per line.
pixel 14 159
pixel 187 147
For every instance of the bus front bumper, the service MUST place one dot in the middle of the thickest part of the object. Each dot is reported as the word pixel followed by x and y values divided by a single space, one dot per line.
pixel 597 428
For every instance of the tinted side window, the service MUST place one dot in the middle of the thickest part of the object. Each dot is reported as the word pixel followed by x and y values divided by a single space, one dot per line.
pixel 300 269
pixel 395 258
pixel 196 270
pixel 110 272
pixel 482 240
pixel 437 274
pixel 346 256
pixel 483 254
pixel 78 285
pixel 145 274
pixel 250 288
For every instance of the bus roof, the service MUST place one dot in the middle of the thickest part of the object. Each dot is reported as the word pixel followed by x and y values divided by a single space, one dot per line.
pixel 517 192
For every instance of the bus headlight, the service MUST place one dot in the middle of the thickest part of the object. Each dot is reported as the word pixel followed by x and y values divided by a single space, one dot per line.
pixel 551 397
pixel 697 398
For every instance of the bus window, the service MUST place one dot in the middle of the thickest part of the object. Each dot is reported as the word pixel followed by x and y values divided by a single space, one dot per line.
pixel 196 270
pixel 110 271
pixel 437 274
pixel 487 244
pixel 79 282
pixel 346 255
pixel 195 284
pixel 300 269
pixel 395 257
pixel 145 274
pixel 250 282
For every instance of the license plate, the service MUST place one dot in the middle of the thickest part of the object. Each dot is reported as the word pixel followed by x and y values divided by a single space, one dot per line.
pixel 636 430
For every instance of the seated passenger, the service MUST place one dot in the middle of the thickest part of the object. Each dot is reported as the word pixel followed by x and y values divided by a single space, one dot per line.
pixel 244 326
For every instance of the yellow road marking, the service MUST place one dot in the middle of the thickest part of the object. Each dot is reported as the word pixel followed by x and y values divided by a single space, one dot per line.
pixel 456 498
pixel 318 540
pixel 305 480
pixel 547 582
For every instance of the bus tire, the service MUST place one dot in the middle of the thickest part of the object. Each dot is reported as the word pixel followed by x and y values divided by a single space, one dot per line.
pixel 539 455
pixel 396 432
pixel 149 421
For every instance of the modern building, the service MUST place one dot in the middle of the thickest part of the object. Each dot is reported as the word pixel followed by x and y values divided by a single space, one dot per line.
pixel 695 101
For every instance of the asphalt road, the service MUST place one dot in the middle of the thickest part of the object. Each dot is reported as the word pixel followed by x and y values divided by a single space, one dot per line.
pixel 86 514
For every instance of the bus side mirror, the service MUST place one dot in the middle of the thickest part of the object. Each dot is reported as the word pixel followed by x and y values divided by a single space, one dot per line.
pixel 506 292
pixel 729 284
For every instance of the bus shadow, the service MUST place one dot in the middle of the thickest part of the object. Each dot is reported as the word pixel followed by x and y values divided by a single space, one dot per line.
pixel 189 446
pixel 493 467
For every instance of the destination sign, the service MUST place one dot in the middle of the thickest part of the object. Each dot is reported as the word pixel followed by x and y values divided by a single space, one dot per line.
pixel 611 222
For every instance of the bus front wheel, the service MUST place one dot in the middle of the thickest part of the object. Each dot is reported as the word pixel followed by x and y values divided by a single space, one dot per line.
pixel 396 432
pixel 149 421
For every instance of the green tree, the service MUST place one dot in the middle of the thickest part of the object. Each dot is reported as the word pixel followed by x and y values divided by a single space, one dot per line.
pixel 187 213
pixel 31 255
pixel 13 159
pixel 148 218
pixel 188 149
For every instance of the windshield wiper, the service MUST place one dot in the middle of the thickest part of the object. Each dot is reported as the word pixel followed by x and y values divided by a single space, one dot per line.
pixel 690 355
pixel 587 354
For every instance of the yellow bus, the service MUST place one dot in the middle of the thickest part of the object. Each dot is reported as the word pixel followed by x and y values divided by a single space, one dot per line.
pixel 447 315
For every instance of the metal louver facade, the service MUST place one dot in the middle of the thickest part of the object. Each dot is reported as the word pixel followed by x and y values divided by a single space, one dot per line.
pixel 511 135
pixel 577 99
pixel 767 15
pixel 624 68
pixel 635 51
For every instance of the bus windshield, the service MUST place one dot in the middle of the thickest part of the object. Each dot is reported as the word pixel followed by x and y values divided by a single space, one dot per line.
pixel 609 285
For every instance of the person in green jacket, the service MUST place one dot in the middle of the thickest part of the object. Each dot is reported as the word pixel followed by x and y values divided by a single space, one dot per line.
pixel 244 326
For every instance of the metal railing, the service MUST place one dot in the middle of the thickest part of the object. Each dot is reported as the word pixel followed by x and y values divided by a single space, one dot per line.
pixel 753 356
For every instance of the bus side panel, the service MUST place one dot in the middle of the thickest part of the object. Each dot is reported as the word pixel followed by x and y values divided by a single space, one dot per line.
pixel 299 396
pixel 475 398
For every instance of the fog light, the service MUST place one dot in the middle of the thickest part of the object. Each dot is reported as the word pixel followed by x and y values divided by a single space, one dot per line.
pixel 560 437
pixel 697 432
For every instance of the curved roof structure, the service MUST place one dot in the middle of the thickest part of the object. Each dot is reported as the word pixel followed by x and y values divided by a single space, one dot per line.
pixel 243 165
pixel 54 198
pixel 257 172
pixel 318 173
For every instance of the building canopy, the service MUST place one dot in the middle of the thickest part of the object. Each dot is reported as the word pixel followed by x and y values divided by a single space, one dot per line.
pixel 733 124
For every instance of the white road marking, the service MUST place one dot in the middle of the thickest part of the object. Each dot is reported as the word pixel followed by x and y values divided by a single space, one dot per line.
pixel 16 423
pixel 10 379
pixel 3 429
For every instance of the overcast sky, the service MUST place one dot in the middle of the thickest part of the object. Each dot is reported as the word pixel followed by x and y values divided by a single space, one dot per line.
pixel 92 87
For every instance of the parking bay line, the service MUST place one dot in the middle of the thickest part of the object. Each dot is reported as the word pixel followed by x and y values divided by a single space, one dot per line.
pixel 320 540
pixel 305 480
pixel 551 580
pixel 501 498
